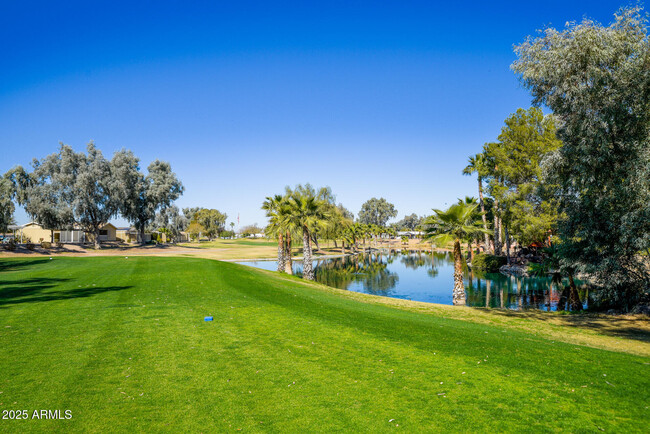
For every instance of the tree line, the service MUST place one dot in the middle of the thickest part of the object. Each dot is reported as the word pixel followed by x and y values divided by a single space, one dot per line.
pixel 311 214
pixel 70 189
pixel 577 180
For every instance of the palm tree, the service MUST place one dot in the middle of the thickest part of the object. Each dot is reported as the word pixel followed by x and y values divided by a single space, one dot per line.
pixel 275 207
pixel 454 224
pixel 477 164
pixel 305 212
pixel 469 238
pixel 352 234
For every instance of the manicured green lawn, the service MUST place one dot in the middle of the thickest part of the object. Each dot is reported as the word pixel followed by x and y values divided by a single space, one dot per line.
pixel 123 345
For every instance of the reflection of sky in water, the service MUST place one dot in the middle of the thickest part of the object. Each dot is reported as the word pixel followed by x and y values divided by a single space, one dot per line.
pixel 425 277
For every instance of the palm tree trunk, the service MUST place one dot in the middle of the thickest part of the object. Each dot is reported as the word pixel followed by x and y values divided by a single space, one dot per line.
pixel 487 293
pixel 574 297
pixel 480 197
pixel 314 238
pixel 459 288
pixel 288 263
pixel 307 266
pixel 507 244
pixel 343 247
pixel 500 235
pixel 497 230
pixel 281 253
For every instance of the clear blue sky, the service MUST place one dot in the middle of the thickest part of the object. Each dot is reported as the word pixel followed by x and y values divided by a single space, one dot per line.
pixel 243 98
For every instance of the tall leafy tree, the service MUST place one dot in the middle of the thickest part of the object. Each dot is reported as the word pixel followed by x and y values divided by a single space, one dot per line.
pixel 453 225
pixel 189 213
pixel 409 223
pixel 212 221
pixel 7 206
pixel 595 79
pixel 476 164
pixel 172 220
pixel 377 211
pixel 140 196
pixel 69 187
pixel 514 175
pixel 88 183
pixel 14 186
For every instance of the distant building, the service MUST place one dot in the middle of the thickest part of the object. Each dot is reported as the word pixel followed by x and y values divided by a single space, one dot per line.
pixel 410 234
pixel 131 235
pixel 35 233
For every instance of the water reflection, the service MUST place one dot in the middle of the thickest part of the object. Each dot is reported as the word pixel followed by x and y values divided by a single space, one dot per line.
pixel 369 270
pixel 428 276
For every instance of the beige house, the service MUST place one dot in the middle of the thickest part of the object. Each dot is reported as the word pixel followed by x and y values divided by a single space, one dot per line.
pixel 131 235
pixel 35 233
pixel 108 232
pixel 32 232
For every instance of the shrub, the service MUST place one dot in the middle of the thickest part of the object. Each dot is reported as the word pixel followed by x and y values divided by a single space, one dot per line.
pixel 30 246
pixel 488 263
pixel 46 244
pixel 539 269
pixel 10 245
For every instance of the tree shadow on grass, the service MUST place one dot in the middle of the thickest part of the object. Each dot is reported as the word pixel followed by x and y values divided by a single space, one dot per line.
pixel 38 290
pixel 629 327
pixel 15 265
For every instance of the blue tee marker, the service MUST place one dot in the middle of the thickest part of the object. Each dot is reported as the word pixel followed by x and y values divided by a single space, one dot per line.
pixel 208 318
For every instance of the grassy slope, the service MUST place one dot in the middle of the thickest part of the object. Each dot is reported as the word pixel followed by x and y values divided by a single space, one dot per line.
pixel 122 343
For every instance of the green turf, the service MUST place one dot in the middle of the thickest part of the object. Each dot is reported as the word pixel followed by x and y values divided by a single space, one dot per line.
pixel 123 345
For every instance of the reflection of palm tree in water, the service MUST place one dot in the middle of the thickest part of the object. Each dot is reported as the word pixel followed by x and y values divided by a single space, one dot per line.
pixel 416 261
pixel 369 270
pixel 432 261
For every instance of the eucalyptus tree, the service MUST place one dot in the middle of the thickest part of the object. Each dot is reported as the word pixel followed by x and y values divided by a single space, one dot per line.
pixel 595 79
pixel 408 223
pixel 67 188
pixel 346 213
pixel 453 225
pixel 14 187
pixel 89 186
pixel 189 213
pixel 7 206
pixel 172 220
pixel 377 211
pixel 212 220
pixel 476 164
pixel 44 199
pixel 140 196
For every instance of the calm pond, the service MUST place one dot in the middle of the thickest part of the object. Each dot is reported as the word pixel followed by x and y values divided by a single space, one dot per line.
pixel 428 277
